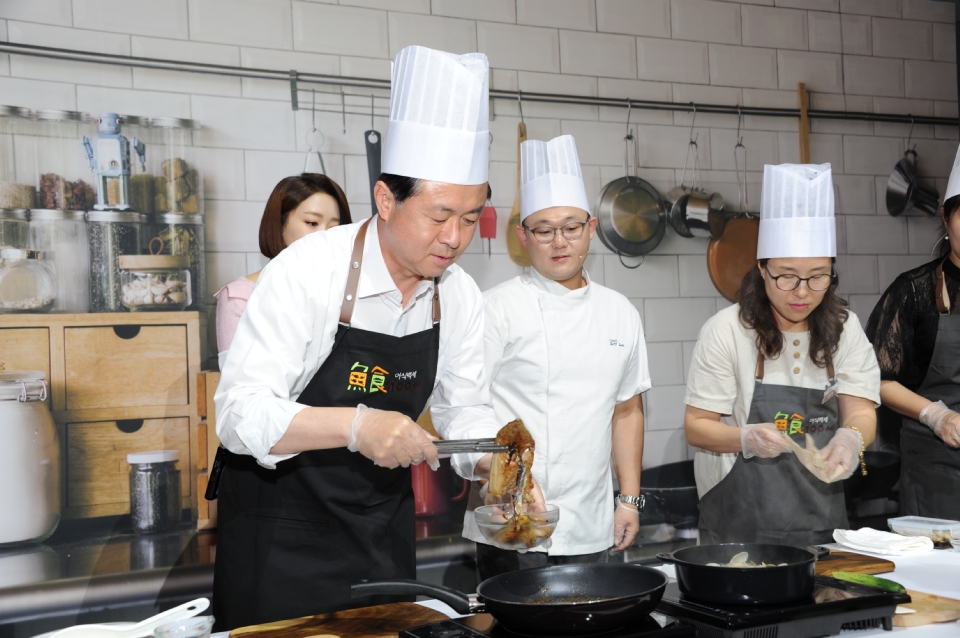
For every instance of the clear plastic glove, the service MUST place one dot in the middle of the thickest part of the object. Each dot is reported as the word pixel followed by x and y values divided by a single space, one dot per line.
pixel 390 439
pixel 763 440
pixel 626 524
pixel 944 422
pixel 538 504
pixel 843 450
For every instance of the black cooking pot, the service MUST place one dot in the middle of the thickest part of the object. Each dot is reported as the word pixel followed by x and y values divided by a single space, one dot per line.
pixel 744 585
pixel 671 497
pixel 560 600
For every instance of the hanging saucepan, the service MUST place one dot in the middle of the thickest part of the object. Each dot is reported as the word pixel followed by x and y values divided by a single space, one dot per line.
pixel 693 211
pixel 905 193
pixel 630 211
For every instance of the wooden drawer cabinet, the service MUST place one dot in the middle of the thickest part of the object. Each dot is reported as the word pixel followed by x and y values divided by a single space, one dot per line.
pixel 119 383
pixel 125 366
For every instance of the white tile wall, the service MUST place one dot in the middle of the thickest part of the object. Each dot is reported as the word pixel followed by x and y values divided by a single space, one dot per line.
pixel 94 99
pixel 881 235
pixel 745 67
pixel 223 174
pixel 286 60
pixel 446 34
pixel 511 46
pixel 932 10
pixel 902 39
pixel 857 34
pixel 930 80
pixel 676 319
pixel 565 14
pixel 891 266
pixel 818 5
pixel 873 76
pixel 944 43
pixel 258 23
pixel 491 10
pixel 61 71
pixel 858 274
pixel 664 408
pixel 924 233
pixel 673 61
pixel 887 8
pixel 825 31
pixel 598 54
pixel 821 72
pixel 232 226
pixel 227 123
pixel 36 94
pixel 855 194
pixel 159 18
pixel 325 28
pixel 224 267
pixel 871 155
pixel 666 363
pixel 705 21
pixel 694 278
pixel 634 17
pixel 407 6
pixel 43 11
pixel 662 447
pixel 775 27
pixel 152 79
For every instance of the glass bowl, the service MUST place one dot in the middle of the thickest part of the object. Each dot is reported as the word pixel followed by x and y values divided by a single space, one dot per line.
pixel 533 530
pixel 196 627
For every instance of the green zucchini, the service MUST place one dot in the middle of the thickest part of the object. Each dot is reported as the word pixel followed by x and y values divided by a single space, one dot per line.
pixel 871 581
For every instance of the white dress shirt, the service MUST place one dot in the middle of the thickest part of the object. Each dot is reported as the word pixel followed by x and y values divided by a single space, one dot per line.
pixel 722 376
pixel 288 327
pixel 562 360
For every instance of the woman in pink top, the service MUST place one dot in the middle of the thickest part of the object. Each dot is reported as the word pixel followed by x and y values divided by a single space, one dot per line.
pixel 299 205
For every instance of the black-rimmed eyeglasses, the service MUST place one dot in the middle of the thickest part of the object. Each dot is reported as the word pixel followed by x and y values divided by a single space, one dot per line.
pixel 546 234
pixel 816 283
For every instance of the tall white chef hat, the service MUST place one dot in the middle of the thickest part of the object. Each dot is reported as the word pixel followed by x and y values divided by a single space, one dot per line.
pixel 953 185
pixel 796 212
pixel 550 176
pixel 439 126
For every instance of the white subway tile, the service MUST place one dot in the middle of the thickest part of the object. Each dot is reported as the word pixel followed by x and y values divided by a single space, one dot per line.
pixel 179 82
pixel 597 142
pixel 725 183
pixel 285 61
pixel 232 227
pixel 159 18
pixel 635 90
pixel 883 8
pixel 489 271
pixel 666 363
pixel 406 6
pixel 223 176
pixel 38 94
pixel 338 30
pixel 817 5
pixel 634 17
pixel 902 39
pixel 227 123
pixel 744 67
pixel 924 233
pixel 94 99
pixel 789 148
pixel 934 11
pixel 876 235
pixel 530 82
pixel 825 31
pixel 842 247
pixel 601 54
pixel 673 61
pixel 688 347
pixel 224 267
pixel 936 157
pixel 674 244
pixel 330 126
pixel 825 148
pixel 862 306
pixel 762 148
pixel 855 194
pixel 858 274
pixel 774 27
pixel 256 262
pixel 694 279
pixel 706 94
pixel 902 106
pixel 676 319
pixel 874 76
pixel 662 447
pixel 891 266
pixel 944 43
pixel 945 109
pixel 657 277
pixel 930 80
pixel 594 266
pixel 489 10
pixel 504 131
pixel 59 12
pixel 871 155
pixel 664 408
pixel 705 21
pixel 503 183
pixel 511 46
pixel 563 14
pixel 256 23
pixel 263 169
pixel 36 68
pixel 786 99
pixel 666 146
pixel 356 179
pixel 857 33
pixel 821 72
pixel 364 67
pixel 445 34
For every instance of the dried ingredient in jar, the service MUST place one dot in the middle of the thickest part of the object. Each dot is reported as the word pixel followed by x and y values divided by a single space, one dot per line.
pixel 31 304
pixel 113 191
pixel 15 195
pixel 108 241
pixel 58 193
pixel 153 289
pixel 177 188
pixel 142 193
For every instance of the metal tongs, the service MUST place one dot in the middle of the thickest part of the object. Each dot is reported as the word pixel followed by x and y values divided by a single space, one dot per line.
pixel 466 446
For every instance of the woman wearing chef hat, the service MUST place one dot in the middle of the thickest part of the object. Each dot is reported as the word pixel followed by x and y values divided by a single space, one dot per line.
pixel 915 329
pixel 340 347
pixel 567 356
pixel 788 362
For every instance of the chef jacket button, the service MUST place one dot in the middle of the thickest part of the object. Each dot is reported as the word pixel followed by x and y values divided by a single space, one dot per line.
pixel 796 342
pixel 349 297
pixel 796 355
pixel 355 265
pixel 796 370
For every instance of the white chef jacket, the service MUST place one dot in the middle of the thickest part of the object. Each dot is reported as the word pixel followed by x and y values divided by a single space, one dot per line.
pixel 562 360
pixel 722 376
pixel 287 331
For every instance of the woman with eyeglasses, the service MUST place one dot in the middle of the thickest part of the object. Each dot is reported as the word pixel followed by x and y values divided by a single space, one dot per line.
pixel 788 367
pixel 915 329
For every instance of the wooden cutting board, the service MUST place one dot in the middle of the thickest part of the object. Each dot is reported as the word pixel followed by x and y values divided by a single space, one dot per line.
pixel 930 609
pixel 380 621
pixel 852 562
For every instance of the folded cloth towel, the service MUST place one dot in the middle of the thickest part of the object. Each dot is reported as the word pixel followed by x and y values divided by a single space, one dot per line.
pixel 885 543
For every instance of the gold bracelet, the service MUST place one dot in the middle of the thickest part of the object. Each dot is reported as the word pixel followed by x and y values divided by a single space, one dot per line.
pixel 863 464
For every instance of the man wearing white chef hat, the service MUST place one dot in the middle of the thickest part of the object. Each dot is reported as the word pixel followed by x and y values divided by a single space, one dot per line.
pixel 567 356
pixel 789 362
pixel 340 348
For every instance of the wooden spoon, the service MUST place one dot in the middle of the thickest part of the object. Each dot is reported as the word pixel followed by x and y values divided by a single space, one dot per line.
pixel 514 248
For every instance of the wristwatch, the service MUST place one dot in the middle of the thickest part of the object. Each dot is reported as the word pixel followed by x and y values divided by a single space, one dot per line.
pixel 637 502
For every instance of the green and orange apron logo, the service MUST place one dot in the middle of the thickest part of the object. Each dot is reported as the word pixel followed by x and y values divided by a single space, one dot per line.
pixel 789 423
pixel 361 374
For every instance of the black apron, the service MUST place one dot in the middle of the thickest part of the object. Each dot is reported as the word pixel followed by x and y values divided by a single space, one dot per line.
pixel 930 469
pixel 291 540
pixel 778 500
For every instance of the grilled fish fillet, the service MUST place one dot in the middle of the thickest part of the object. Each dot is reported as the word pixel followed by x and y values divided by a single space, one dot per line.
pixel 505 473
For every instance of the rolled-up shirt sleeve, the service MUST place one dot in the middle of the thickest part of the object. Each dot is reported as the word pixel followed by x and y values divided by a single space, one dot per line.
pixel 253 400
pixel 460 403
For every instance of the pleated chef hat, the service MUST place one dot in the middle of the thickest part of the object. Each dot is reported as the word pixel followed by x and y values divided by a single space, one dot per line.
pixel 953 185
pixel 438 127
pixel 796 212
pixel 550 176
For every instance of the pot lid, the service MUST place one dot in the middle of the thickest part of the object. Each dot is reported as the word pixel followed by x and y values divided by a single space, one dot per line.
pixel 155 456
pixel 631 216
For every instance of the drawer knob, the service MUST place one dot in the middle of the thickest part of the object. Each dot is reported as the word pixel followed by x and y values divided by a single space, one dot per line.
pixel 129 426
pixel 126 332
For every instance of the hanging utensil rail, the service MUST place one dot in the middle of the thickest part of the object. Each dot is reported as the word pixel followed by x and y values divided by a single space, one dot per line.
pixel 295 78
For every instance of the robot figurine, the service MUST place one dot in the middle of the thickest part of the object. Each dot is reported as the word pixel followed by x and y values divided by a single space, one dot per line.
pixel 110 160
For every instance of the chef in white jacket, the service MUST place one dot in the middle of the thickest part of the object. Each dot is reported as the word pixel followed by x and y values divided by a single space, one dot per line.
pixel 567 356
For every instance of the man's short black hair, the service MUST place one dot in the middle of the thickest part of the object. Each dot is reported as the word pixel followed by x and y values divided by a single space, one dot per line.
pixel 403 188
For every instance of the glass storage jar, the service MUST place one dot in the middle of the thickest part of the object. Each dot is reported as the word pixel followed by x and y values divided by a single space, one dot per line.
pixel 16 174
pixel 154 491
pixel 173 160
pixel 63 173
pixel 14 228
pixel 154 282
pixel 110 235
pixel 27 281
pixel 62 236
pixel 29 460
pixel 181 236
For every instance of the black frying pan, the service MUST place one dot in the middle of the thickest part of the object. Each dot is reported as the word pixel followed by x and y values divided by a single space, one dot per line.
pixel 561 600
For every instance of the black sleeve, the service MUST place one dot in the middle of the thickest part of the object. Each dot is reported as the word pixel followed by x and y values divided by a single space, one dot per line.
pixel 891 330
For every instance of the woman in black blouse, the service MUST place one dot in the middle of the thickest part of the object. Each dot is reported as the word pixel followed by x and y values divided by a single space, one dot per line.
pixel 915 330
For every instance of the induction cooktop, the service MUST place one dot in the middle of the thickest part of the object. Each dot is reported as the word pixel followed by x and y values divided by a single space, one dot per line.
pixel 484 626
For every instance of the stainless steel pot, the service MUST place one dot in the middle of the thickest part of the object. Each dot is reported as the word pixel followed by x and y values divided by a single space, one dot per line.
pixel 698 214
pixel 905 194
